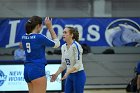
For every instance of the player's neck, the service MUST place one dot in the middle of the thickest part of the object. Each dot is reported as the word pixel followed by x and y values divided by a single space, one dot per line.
pixel 34 31
pixel 69 43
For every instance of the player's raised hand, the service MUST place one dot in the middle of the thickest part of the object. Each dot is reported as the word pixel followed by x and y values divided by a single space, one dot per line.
pixel 48 22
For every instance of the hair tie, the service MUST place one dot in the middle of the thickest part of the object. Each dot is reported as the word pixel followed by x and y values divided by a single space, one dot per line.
pixel 75 29
pixel 29 21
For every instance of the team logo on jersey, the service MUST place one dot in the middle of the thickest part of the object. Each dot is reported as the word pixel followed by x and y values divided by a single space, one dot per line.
pixel 2 78
pixel 122 32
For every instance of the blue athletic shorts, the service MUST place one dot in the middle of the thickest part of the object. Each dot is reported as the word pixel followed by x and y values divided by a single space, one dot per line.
pixel 75 82
pixel 33 71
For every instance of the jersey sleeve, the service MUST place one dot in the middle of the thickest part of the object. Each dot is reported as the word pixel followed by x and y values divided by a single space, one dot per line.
pixel 48 42
pixel 78 55
pixel 63 63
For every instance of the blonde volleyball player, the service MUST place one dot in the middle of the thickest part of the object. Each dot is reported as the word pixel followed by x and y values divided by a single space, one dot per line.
pixel 72 60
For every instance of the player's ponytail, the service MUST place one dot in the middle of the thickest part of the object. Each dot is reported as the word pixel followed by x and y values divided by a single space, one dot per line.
pixel 32 23
pixel 75 33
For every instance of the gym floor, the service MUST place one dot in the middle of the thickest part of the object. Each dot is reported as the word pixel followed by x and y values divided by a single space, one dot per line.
pixel 102 91
pixel 105 91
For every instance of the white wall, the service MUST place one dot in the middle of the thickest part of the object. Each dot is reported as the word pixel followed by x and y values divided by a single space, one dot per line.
pixel 53 8
pixel 70 8
pixel 125 8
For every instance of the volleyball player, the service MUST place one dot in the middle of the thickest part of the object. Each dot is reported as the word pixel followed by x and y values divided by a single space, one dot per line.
pixel 72 60
pixel 34 45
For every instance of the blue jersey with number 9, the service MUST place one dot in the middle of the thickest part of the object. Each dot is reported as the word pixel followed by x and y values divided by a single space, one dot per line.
pixel 34 46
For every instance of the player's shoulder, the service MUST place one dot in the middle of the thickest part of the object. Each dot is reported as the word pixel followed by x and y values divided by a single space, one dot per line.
pixel 63 46
pixel 24 34
pixel 76 45
pixel 40 35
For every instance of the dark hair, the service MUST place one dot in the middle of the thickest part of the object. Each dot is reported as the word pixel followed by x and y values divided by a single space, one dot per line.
pixel 32 23
pixel 75 33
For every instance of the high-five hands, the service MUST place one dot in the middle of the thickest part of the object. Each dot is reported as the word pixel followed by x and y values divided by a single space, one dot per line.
pixel 48 22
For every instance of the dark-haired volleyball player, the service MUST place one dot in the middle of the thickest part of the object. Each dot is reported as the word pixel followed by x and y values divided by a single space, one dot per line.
pixel 34 45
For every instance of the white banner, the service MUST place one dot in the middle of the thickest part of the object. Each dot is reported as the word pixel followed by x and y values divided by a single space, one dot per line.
pixel 11 78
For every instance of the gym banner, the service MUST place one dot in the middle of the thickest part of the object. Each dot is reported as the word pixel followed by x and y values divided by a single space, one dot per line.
pixel 112 32
pixel 12 78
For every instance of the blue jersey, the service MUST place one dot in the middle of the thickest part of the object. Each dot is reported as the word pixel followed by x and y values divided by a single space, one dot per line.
pixel 34 46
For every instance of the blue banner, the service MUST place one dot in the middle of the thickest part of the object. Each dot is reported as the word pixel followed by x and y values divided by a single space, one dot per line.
pixel 93 31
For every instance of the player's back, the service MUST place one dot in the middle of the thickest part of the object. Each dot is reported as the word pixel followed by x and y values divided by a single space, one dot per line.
pixel 34 46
